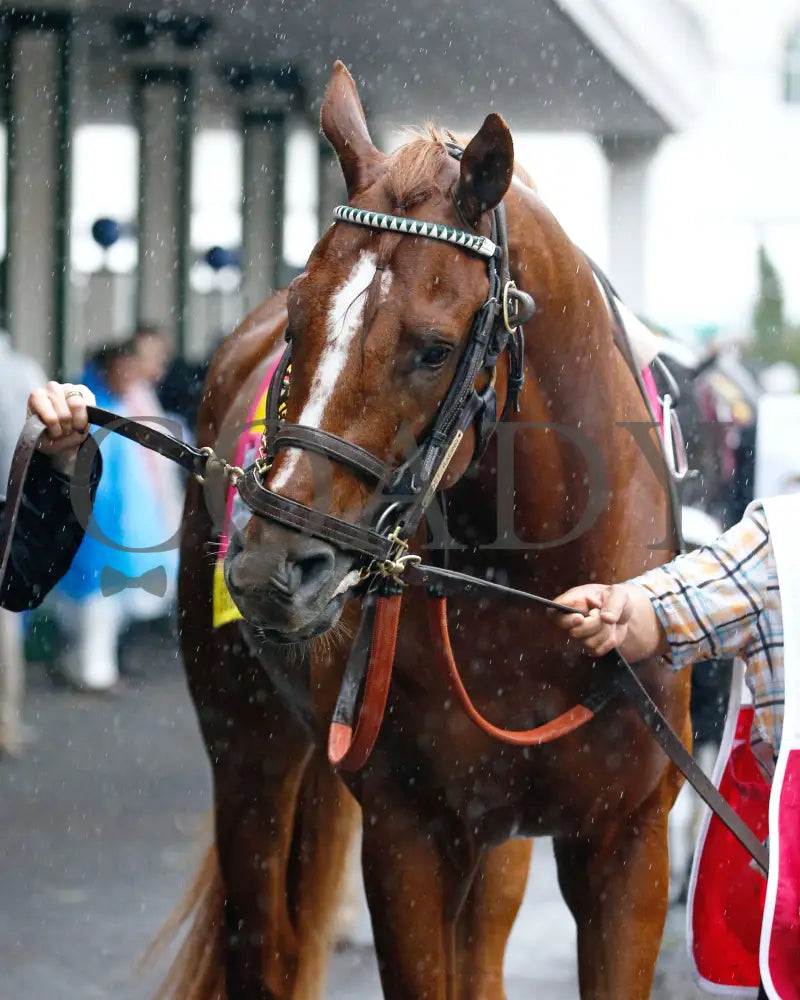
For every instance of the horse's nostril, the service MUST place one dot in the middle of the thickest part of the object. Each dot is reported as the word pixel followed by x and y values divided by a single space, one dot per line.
pixel 287 580
pixel 315 568
pixel 311 570
pixel 290 579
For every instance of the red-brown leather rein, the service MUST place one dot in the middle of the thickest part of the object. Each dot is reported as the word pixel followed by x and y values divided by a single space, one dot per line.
pixel 565 723
pixel 350 750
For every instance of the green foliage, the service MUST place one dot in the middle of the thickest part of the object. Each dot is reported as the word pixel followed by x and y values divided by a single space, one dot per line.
pixel 768 321
pixel 773 338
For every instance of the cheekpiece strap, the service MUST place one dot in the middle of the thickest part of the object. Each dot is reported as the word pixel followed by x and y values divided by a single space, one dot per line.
pixel 275 398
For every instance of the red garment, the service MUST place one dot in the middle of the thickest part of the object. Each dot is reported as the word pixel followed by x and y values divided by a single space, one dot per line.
pixel 726 902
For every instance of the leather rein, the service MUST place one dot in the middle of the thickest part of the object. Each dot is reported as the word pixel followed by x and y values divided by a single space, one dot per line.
pixel 497 327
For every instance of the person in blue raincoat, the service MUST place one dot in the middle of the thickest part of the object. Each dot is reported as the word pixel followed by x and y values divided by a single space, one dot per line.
pixel 111 580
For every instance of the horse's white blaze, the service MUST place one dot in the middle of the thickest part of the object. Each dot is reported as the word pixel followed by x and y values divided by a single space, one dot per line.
pixel 386 284
pixel 343 322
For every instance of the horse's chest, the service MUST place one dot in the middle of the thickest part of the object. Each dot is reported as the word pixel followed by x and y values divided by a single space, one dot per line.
pixel 497 790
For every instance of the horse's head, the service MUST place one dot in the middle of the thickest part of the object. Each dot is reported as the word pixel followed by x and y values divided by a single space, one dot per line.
pixel 377 322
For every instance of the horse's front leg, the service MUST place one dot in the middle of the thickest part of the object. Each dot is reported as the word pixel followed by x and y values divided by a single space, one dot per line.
pixel 440 923
pixel 485 923
pixel 616 886
pixel 284 822
pixel 410 888
pixel 256 794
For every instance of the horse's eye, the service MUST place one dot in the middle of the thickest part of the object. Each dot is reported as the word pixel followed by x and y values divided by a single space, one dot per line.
pixel 433 357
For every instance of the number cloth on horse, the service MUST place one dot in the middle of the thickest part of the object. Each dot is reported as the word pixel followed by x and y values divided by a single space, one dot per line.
pixel 224 610
pixel 728 599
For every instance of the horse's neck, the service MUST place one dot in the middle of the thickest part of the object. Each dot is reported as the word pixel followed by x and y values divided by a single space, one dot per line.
pixel 577 385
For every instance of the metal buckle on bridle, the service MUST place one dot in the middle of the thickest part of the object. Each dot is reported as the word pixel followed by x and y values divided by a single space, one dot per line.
pixel 231 472
pixel 262 464
pixel 393 567
pixel 510 315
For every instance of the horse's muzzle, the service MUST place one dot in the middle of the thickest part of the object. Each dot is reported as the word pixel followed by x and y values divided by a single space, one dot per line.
pixel 286 583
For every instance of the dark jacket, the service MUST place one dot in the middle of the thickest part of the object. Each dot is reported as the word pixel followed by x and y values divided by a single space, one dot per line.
pixel 48 532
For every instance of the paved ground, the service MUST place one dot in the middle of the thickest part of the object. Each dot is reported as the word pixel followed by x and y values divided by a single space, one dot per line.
pixel 98 828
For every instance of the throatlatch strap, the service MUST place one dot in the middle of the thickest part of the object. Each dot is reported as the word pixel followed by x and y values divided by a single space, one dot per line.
pixel 348 750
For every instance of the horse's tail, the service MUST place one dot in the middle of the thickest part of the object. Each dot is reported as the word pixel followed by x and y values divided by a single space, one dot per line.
pixel 198 970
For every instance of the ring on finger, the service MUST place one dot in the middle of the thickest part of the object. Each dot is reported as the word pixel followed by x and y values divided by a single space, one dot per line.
pixel 73 392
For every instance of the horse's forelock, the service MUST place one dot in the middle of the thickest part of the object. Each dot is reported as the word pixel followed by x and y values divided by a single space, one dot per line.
pixel 414 170
pixel 413 176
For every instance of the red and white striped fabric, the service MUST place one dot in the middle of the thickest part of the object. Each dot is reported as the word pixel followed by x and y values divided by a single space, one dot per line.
pixel 741 928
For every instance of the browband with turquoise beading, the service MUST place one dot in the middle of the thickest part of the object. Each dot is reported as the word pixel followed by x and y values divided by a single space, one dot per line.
pixel 480 245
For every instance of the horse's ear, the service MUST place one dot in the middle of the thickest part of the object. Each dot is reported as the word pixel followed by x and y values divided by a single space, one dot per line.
pixel 487 165
pixel 345 127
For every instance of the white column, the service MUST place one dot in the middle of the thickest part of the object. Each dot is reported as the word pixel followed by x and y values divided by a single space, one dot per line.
pixel 163 102
pixel 629 161
pixel 264 155
pixel 332 190
pixel 38 177
pixel 109 307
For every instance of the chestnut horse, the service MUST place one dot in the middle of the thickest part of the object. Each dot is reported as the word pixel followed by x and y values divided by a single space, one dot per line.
pixel 378 322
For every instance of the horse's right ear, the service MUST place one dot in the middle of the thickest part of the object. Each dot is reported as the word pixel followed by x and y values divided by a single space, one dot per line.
pixel 487 166
pixel 345 127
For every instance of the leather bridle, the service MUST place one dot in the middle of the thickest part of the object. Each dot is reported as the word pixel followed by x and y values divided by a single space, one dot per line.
pixel 496 327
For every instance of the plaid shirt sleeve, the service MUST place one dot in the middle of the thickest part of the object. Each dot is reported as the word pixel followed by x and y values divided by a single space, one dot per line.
pixel 710 602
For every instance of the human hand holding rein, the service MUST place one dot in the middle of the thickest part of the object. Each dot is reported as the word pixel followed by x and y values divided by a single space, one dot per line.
pixel 616 616
pixel 62 409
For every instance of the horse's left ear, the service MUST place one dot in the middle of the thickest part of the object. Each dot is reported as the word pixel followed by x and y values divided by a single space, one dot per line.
pixel 487 165
pixel 345 127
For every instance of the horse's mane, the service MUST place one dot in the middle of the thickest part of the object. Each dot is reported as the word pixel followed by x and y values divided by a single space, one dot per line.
pixel 415 166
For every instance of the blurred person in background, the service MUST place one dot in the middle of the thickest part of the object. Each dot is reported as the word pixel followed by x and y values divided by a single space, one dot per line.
pixel 114 580
pixel 21 375
pixel 181 388
pixel 153 353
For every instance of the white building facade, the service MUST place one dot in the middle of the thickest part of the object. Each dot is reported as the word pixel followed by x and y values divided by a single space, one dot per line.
pixel 715 190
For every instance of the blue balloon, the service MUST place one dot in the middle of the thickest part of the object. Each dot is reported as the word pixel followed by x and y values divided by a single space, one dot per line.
pixel 106 232
pixel 219 257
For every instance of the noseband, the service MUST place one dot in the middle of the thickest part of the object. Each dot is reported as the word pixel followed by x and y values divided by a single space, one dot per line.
pixel 407 490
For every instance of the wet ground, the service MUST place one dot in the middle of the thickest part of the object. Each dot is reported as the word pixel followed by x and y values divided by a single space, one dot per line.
pixel 100 823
